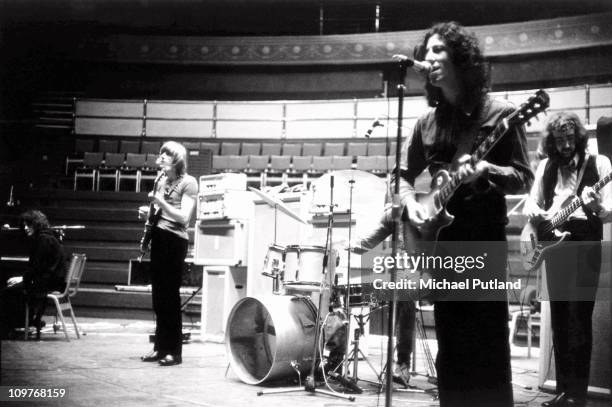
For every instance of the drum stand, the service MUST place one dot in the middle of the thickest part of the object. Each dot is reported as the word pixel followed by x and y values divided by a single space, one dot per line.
pixel 355 353
pixel 310 385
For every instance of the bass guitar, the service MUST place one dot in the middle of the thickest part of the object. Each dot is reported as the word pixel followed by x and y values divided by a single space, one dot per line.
pixel 445 184
pixel 539 237
pixel 152 219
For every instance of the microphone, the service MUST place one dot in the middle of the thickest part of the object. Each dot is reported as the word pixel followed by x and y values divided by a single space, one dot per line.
pixel 419 66
pixel 375 123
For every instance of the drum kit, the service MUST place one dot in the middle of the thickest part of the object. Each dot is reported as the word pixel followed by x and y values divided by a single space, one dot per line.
pixel 278 336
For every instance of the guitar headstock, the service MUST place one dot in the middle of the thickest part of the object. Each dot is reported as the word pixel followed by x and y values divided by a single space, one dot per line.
pixel 535 104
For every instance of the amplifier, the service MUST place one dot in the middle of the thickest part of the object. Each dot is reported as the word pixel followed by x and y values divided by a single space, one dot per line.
pixel 223 182
pixel 221 243
pixel 224 205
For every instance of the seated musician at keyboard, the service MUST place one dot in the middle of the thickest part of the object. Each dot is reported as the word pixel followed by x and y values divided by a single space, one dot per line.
pixel 405 309
pixel 46 271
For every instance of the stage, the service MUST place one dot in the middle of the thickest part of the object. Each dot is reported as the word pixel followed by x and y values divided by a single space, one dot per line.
pixel 104 368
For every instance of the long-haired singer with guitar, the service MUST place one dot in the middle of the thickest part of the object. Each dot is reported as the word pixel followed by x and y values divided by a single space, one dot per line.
pixel 172 202
pixel 473 360
pixel 571 194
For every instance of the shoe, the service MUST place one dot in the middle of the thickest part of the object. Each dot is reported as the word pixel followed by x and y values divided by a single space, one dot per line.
pixel 574 402
pixel 401 375
pixel 558 401
pixel 152 356
pixel 170 360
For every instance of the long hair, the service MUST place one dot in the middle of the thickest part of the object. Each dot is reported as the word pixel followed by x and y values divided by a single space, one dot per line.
pixel 178 154
pixel 564 121
pixel 467 58
pixel 34 219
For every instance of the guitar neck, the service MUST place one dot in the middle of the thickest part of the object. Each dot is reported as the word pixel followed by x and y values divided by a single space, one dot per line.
pixel 576 203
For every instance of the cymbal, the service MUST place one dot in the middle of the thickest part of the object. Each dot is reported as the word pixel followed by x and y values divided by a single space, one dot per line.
pixel 277 203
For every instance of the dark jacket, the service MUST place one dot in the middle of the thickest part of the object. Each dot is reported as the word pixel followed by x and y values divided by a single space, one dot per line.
pixel 47 265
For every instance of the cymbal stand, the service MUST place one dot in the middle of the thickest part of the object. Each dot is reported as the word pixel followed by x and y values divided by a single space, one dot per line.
pixel 310 385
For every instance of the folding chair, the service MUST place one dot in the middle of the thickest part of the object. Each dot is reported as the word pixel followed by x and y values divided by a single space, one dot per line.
pixel 110 170
pixel 250 148
pixel 134 163
pixel 149 172
pixel 81 146
pixel 311 149
pixel 91 163
pixel 334 148
pixel 62 300
pixel 150 147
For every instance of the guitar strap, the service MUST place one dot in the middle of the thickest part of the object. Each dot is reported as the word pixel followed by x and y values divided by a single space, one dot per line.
pixel 580 174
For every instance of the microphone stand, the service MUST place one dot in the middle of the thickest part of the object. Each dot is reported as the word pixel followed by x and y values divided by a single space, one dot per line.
pixel 396 214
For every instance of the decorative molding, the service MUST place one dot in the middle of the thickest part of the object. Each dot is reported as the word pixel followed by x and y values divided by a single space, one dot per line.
pixel 500 40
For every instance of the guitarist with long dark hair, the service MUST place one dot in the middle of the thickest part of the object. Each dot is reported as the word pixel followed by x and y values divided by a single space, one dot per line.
pixel 173 201
pixel 473 360
pixel 572 269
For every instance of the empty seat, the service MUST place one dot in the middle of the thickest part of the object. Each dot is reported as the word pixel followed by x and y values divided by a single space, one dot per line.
pixel 251 148
pixel 134 163
pixel 89 169
pixel 219 163
pixel 366 163
pixel 270 149
pixel 230 148
pixel 377 149
pixel 148 173
pixel 129 146
pixel 280 163
pixel 301 164
pixel 108 146
pixel 311 149
pixel 342 162
pixel 334 148
pixel 81 146
pixel 237 163
pixel 354 149
pixel 384 163
pixel 212 146
pixel 110 170
pixel 292 149
pixel 258 163
pixel 321 164
pixel 150 147
pixel 191 145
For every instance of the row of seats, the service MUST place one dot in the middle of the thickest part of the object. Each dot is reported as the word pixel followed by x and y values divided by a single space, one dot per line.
pixel 351 149
pixel 116 167
pixel 82 146
pixel 236 148
pixel 300 164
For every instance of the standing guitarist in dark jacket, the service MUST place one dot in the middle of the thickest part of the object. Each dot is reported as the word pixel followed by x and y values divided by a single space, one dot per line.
pixel 572 269
pixel 473 360
pixel 174 200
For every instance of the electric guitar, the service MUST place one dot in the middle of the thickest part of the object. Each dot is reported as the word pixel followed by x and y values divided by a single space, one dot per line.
pixel 152 219
pixel 538 237
pixel 445 184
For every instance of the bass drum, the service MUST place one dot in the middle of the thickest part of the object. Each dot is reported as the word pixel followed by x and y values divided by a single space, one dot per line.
pixel 265 335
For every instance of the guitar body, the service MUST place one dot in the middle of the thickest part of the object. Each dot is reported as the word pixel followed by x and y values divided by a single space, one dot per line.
pixel 437 216
pixel 152 219
pixel 535 243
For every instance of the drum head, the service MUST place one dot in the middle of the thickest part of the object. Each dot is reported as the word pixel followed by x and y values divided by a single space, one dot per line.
pixel 368 196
